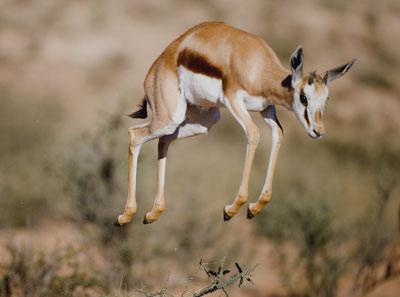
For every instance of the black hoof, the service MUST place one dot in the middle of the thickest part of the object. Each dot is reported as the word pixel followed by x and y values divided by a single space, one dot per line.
pixel 145 221
pixel 250 215
pixel 226 216
pixel 117 223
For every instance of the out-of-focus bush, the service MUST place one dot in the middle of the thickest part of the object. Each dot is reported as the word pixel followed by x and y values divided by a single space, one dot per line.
pixel 317 248
pixel 307 244
pixel 56 273
pixel 96 183
pixel 28 135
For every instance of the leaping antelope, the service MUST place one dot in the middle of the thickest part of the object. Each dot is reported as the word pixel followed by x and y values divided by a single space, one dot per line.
pixel 214 65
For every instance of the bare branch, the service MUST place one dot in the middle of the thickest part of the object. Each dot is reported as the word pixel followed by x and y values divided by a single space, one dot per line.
pixel 215 286
pixel 219 281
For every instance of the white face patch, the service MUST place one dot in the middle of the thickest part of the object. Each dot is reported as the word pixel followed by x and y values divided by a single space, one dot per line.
pixel 315 104
pixel 316 101
pixel 200 89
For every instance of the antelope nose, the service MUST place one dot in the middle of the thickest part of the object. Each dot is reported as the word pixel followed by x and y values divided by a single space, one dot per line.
pixel 320 131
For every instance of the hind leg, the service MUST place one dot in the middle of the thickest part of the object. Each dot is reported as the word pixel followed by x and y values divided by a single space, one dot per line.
pixel 197 122
pixel 138 135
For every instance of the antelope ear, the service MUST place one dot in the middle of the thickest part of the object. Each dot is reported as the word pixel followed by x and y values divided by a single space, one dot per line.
pixel 296 64
pixel 338 71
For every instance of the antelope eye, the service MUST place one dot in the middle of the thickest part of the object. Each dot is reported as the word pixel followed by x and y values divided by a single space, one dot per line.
pixel 303 99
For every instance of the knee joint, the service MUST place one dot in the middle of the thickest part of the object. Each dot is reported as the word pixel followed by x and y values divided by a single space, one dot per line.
pixel 134 140
pixel 166 130
pixel 253 136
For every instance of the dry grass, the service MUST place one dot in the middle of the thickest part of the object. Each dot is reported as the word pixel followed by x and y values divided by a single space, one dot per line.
pixel 57 273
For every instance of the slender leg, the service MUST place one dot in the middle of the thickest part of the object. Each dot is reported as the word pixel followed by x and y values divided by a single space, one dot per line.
pixel 159 202
pixel 270 118
pixel 168 112
pixel 137 136
pixel 240 113
pixel 197 123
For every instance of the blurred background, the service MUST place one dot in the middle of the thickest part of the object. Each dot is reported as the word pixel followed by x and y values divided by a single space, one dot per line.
pixel 70 71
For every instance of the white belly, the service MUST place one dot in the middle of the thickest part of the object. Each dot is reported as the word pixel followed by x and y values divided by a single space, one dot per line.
pixel 199 89
pixel 202 90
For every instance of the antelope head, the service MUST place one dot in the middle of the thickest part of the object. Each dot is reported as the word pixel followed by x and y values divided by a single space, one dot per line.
pixel 310 93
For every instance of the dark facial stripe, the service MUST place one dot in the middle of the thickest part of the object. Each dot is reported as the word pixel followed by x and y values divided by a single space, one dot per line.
pixel 306 117
pixel 198 63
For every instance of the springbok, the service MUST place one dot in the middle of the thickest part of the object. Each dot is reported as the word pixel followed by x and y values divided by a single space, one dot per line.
pixel 214 65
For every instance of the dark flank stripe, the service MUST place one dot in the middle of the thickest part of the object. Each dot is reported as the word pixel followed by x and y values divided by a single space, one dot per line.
pixel 198 63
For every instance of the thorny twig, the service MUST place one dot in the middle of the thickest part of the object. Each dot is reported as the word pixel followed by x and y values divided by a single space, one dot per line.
pixel 218 281
pixel 219 284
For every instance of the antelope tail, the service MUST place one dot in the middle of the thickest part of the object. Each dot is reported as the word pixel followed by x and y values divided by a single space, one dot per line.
pixel 141 113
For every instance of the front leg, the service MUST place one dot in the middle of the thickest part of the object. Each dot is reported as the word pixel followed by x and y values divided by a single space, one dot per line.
pixel 269 115
pixel 240 113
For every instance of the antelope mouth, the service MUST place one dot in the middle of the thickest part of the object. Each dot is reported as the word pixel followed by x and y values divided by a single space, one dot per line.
pixel 314 134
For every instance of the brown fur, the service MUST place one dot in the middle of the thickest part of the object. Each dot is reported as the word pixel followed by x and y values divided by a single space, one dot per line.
pixel 244 60
pixel 318 117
